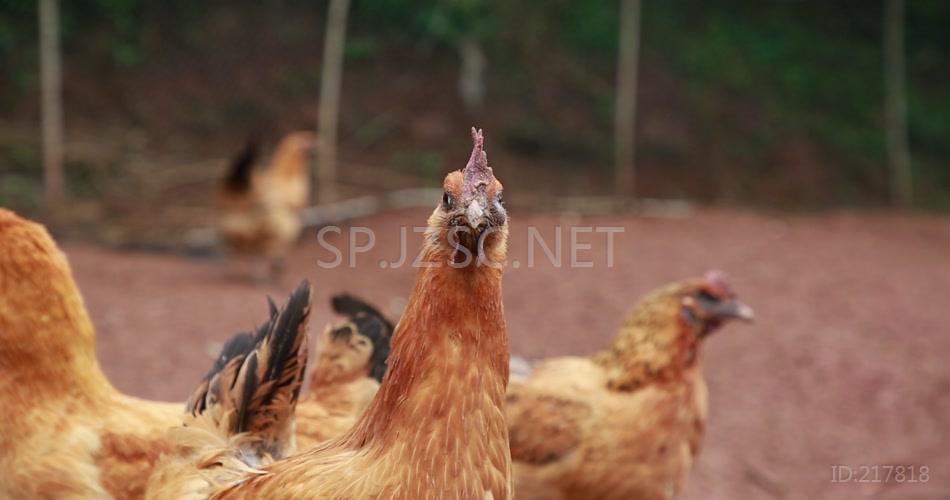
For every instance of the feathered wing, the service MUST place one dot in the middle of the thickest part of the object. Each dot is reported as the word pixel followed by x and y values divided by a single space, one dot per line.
pixel 242 413
pixel 544 428
pixel 549 413
pixel 255 383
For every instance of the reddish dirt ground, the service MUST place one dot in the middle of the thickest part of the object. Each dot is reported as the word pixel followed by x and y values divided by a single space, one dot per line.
pixel 846 364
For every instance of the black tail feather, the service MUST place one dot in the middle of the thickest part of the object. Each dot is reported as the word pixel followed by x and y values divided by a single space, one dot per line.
pixel 286 342
pixel 239 173
pixel 256 380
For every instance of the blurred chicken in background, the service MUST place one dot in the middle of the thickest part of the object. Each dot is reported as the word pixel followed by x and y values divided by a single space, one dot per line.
pixel 260 209
pixel 629 421
pixel 351 359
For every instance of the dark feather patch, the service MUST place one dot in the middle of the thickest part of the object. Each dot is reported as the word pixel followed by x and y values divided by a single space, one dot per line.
pixel 239 173
pixel 253 371
pixel 379 335
pixel 247 393
pixel 285 338
pixel 370 323
pixel 350 306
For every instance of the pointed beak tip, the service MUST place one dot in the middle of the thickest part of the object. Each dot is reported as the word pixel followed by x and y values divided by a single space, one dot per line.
pixel 745 313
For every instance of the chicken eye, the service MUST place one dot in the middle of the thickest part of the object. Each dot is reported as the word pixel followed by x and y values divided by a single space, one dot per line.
pixel 447 201
pixel 708 297
pixel 499 214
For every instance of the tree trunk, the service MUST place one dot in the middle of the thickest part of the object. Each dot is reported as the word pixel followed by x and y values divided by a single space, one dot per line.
pixel 895 103
pixel 51 102
pixel 626 99
pixel 472 73
pixel 330 81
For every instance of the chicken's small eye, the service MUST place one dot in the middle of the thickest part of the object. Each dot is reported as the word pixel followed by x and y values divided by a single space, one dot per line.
pixel 447 201
pixel 708 296
pixel 500 200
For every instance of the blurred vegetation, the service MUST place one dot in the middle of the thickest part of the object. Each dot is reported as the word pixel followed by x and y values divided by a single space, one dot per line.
pixel 779 100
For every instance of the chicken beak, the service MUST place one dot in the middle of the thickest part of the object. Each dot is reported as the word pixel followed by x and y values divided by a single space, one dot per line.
pixel 734 309
pixel 475 216
pixel 467 230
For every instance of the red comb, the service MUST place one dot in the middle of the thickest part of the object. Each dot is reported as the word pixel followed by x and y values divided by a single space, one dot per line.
pixel 477 174
pixel 719 280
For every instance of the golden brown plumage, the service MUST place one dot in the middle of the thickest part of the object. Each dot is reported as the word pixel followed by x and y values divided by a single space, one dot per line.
pixel 628 422
pixel 245 404
pixel 350 361
pixel 255 383
pixel 67 432
pixel 436 428
pixel 70 433
pixel 260 210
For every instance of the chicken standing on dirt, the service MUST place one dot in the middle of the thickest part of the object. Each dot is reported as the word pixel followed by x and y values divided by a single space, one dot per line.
pixel 260 210
pixel 248 397
pixel 68 433
pixel 436 428
pixel 350 361
pixel 628 422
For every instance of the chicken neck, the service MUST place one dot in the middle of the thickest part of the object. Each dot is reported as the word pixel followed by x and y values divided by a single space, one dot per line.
pixel 440 403
pixel 654 345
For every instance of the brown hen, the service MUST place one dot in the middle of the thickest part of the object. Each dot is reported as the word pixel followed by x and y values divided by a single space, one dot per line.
pixel 629 421
pixel 436 428
pixel 68 433
pixel 260 209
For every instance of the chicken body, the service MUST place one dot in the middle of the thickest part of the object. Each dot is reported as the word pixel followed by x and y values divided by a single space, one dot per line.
pixel 593 443
pixel 260 210
pixel 436 428
pixel 340 388
pixel 628 422
pixel 68 433
pixel 349 364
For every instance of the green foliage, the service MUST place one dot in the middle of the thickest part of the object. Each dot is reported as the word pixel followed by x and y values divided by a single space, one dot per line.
pixel 20 182
pixel 360 48
pixel 433 22
pixel 427 164
pixel 815 69
pixel 754 72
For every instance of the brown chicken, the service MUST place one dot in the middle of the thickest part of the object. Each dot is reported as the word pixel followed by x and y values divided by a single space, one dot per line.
pixel 260 210
pixel 628 422
pixel 436 428
pixel 349 364
pixel 248 396
pixel 67 432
